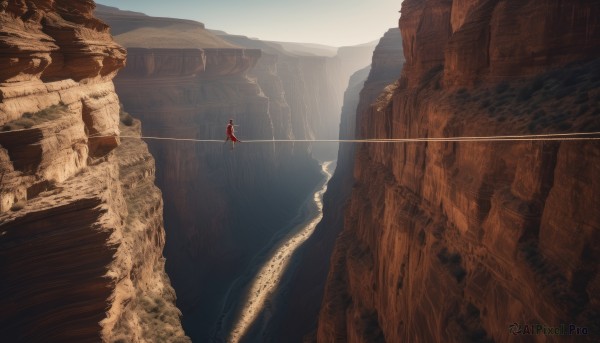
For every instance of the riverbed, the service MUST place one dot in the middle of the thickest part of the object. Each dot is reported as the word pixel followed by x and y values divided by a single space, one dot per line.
pixel 251 293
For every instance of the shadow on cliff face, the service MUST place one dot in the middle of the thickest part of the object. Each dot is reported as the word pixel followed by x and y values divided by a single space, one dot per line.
pixel 468 237
pixel 506 229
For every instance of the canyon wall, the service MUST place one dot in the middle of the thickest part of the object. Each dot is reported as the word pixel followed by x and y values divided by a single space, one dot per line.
pixel 308 86
pixel 457 241
pixel 354 58
pixel 224 206
pixel 81 232
pixel 297 309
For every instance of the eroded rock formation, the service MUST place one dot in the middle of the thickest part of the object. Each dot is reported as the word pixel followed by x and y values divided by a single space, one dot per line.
pixel 454 242
pixel 81 233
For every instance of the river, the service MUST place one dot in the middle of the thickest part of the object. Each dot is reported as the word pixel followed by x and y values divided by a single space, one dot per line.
pixel 250 293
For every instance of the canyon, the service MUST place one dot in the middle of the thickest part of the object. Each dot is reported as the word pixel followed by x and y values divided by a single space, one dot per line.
pixel 81 229
pixel 225 207
pixel 296 309
pixel 105 236
pixel 456 241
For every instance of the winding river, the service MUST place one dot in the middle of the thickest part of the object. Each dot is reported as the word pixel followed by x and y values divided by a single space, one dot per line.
pixel 259 284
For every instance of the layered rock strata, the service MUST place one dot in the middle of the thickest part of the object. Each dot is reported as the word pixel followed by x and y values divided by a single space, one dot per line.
pixel 81 233
pixel 455 241
pixel 134 29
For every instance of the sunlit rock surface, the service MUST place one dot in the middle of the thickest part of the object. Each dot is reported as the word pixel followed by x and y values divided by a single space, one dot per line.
pixel 454 242
pixel 81 233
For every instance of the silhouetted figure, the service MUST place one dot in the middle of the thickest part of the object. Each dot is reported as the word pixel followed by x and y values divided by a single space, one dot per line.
pixel 230 134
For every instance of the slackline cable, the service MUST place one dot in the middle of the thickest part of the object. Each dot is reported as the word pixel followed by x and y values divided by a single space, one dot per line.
pixel 575 136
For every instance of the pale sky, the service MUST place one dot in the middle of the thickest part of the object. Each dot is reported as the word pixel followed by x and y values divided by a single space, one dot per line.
pixel 329 22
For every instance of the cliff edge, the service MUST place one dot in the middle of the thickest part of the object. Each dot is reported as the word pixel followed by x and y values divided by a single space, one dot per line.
pixel 81 233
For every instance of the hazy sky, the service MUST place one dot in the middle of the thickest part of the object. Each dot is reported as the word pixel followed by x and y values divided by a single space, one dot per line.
pixel 330 22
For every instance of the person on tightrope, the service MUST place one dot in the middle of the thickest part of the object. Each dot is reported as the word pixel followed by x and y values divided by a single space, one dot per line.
pixel 230 134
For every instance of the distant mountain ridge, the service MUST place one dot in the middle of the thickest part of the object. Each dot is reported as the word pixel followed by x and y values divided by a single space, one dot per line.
pixel 138 30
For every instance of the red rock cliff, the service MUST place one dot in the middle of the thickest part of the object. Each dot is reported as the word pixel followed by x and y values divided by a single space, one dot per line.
pixel 453 242
pixel 81 233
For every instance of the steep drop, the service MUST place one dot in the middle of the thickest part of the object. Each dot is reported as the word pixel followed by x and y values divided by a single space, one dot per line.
pixel 222 206
pixel 453 242
pixel 297 309
pixel 264 281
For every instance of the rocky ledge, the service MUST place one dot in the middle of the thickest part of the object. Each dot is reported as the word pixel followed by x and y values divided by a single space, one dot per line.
pixel 81 232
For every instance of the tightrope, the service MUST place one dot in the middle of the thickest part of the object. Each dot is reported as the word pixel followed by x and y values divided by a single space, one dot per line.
pixel 575 136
